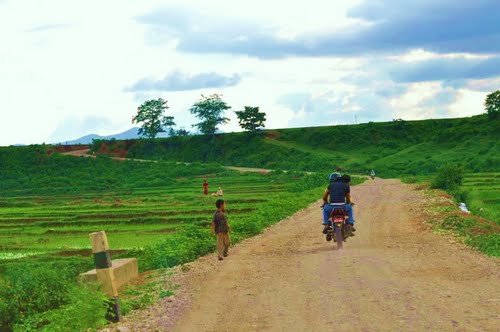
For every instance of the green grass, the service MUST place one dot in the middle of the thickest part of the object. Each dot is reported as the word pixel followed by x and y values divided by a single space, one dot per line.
pixel 483 194
pixel 480 192
pixel 392 148
pixel 156 212
pixel 162 222
pixel 132 220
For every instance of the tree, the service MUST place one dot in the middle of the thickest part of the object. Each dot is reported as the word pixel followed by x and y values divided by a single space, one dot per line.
pixel 210 110
pixel 178 132
pixel 154 121
pixel 251 119
pixel 492 104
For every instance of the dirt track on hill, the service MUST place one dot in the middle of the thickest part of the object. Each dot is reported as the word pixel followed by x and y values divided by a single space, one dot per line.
pixel 394 275
pixel 85 153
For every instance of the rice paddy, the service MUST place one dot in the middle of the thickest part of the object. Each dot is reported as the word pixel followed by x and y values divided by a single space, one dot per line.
pixel 55 225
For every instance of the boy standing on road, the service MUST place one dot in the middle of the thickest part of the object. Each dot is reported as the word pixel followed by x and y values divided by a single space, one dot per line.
pixel 221 228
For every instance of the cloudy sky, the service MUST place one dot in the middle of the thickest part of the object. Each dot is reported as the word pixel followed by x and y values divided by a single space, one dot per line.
pixel 71 68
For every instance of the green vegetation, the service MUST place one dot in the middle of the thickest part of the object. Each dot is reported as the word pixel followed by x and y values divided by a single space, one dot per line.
pixel 482 195
pixel 487 243
pixel 210 110
pixel 152 116
pixel 392 149
pixel 415 150
pixel 157 285
pixel 449 177
pixel 250 119
pixel 480 192
pixel 479 233
pixel 153 211
pixel 492 105
pixel 156 211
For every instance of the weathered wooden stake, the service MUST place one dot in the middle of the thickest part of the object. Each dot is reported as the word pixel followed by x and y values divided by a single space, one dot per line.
pixel 105 274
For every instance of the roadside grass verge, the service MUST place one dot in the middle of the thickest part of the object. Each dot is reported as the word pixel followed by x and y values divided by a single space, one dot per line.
pixel 474 230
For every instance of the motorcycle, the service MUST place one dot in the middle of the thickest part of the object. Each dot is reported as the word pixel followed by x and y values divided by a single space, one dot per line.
pixel 341 230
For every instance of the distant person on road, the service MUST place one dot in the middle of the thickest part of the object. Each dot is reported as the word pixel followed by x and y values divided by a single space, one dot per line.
pixel 221 228
pixel 372 174
pixel 338 194
pixel 205 187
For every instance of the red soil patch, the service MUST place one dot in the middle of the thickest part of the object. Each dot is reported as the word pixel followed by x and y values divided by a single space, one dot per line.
pixel 272 134
pixel 66 148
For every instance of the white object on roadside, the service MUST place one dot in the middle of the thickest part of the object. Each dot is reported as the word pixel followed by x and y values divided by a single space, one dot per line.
pixel 463 208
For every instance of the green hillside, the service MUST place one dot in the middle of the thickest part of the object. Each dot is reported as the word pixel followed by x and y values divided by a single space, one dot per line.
pixel 391 148
pixel 156 211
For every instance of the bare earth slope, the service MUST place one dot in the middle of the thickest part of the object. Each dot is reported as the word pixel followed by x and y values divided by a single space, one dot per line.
pixel 394 275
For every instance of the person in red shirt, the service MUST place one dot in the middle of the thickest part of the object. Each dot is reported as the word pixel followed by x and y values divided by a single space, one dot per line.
pixel 205 187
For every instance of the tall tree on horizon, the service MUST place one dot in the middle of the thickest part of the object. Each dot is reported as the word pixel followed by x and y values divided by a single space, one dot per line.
pixel 151 114
pixel 210 110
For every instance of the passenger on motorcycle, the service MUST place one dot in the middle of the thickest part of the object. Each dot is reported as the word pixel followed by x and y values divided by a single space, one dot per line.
pixel 339 192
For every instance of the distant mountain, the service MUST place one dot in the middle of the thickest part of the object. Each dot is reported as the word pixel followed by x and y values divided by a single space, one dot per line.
pixel 132 133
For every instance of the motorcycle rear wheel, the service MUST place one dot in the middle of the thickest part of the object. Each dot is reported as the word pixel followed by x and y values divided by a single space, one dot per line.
pixel 338 237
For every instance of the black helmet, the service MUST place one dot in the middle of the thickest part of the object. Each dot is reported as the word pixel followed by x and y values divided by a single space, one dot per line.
pixel 345 178
pixel 334 177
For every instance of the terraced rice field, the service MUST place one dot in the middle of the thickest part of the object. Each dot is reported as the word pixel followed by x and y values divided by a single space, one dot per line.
pixel 483 194
pixel 59 225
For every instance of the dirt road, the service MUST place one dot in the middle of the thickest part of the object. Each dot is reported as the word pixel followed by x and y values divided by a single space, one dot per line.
pixel 394 275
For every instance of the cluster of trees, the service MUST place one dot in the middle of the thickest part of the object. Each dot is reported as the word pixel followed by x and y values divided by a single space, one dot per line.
pixel 209 109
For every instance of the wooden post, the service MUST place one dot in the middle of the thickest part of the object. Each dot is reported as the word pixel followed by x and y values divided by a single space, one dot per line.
pixel 105 274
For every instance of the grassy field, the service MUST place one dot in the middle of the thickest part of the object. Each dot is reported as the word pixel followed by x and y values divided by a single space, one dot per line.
pixel 153 211
pixel 59 225
pixel 483 194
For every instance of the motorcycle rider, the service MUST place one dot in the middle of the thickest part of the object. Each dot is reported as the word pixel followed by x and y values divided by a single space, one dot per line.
pixel 339 192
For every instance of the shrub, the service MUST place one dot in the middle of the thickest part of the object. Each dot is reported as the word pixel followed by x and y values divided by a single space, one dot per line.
pixel 87 310
pixel 449 177
pixel 33 291
pixel 30 289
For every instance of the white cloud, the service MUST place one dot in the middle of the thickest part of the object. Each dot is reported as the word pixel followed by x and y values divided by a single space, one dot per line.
pixel 467 104
pixel 65 62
